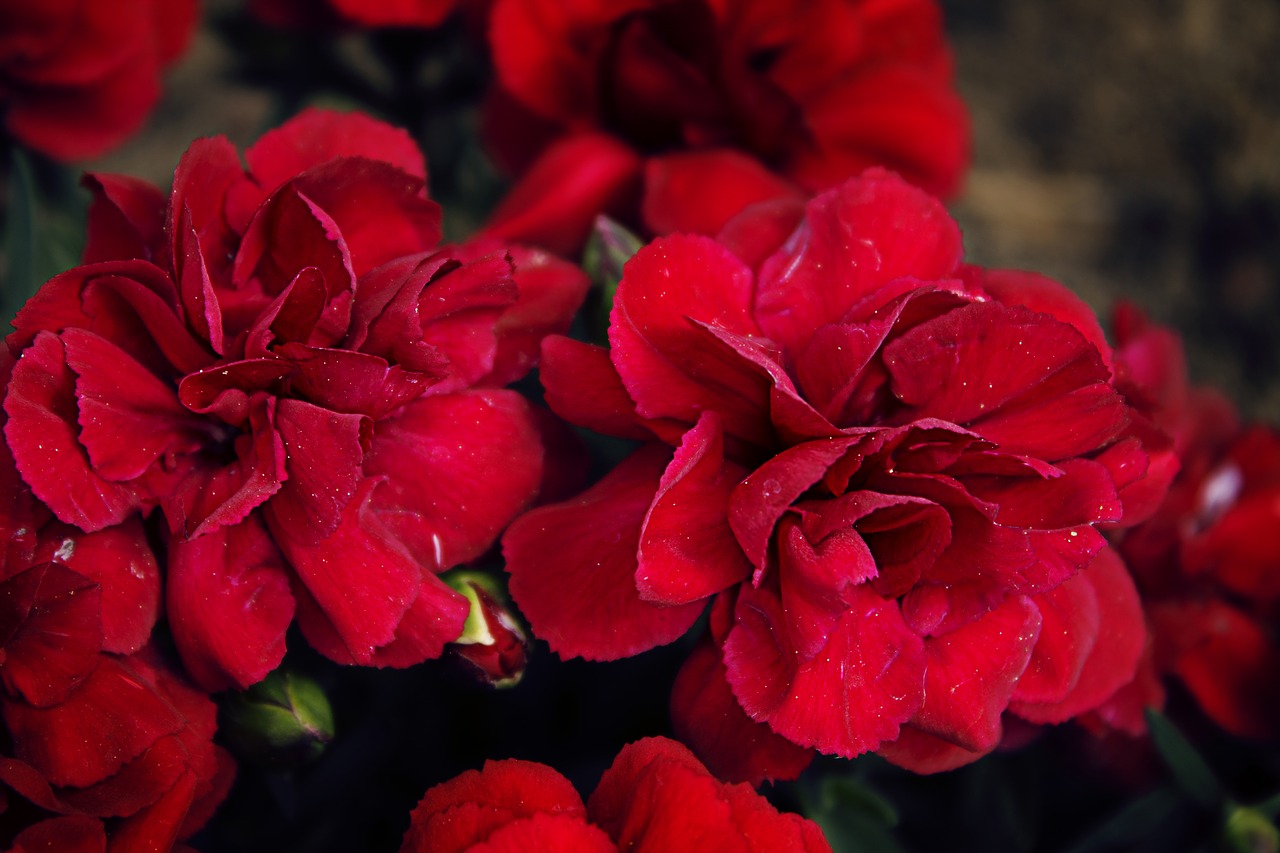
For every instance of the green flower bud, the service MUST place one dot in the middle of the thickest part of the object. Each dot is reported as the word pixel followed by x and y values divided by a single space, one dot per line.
pixel 492 643
pixel 284 720
pixel 1249 831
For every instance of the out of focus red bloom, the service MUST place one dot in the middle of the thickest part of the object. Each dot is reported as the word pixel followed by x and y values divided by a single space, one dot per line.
pixel 282 361
pixel 675 114
pixel 102 739
pixel 655 796
pixel 1208 561
pixel 884 466
pixel 307 14
pixel 77 77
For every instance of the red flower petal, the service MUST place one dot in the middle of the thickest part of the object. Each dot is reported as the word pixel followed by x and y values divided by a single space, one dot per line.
pixel 544 833
pixel 1232 668
pixel 381 212
pixel 851 696
pixel 615 802
pixel 760 500
pixel 893 115
pixel 1082 493
pixel 469 808
pixel 700 191
pixel 290 233
pixel 435 619
pixel 70 834
pixel 1033 385
pixel 456 468
pixel 657 796
pixel 158 826
pixel 108 720
pixel 361 577
pixel 128 416
pixel 77 122
pixel 921 752
pixel 986 562
pixel 855 239
pixel 666 369
pixel 43 436
pixel 141 782
pixel 352 382
pixel 706 716
pixel 458 313
pixel 228 604
pixel 1070 627
pixel 51 631
pixel 206 174
pixel 121 562
pixel 1043 294
pixel 315 137
pixel 206 500
pixel 971 673
pixel 323 454
pixel 1113 660
pixel 555 202
pixel 551 290
pixel 126 218
pixel 573 567
pixel 583 387
pixel 687 549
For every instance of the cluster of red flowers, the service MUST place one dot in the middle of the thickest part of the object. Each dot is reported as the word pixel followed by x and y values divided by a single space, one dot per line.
pixel 907 492
pixel 677 115
pixel 1208 561
pixel 655 796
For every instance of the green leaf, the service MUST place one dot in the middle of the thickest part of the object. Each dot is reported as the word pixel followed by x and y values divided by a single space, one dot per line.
pixel 43 236
pixel 1135 822
pixel 1190 771
pixel 608 250
pixel 20 235
pixel 853 817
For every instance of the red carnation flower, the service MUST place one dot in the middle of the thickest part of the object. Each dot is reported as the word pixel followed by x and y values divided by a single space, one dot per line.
pixel 884 466
pixel 302 14
pixel 655 796
pixel 1208 561
pixel 678 114
pixel 77 78
pixel 101 738
pixel 282 361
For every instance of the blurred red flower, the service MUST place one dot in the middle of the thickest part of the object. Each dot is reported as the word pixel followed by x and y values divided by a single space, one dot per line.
pixel 678 113
pixel 655 796
pixel 77 78
pixel 886 468
pixel 1208 561
pixel 282 361
pixel 304 14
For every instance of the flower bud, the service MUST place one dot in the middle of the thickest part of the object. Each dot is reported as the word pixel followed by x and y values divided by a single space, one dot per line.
pixel 492 642
pixel 283 720
pixel 1249 831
